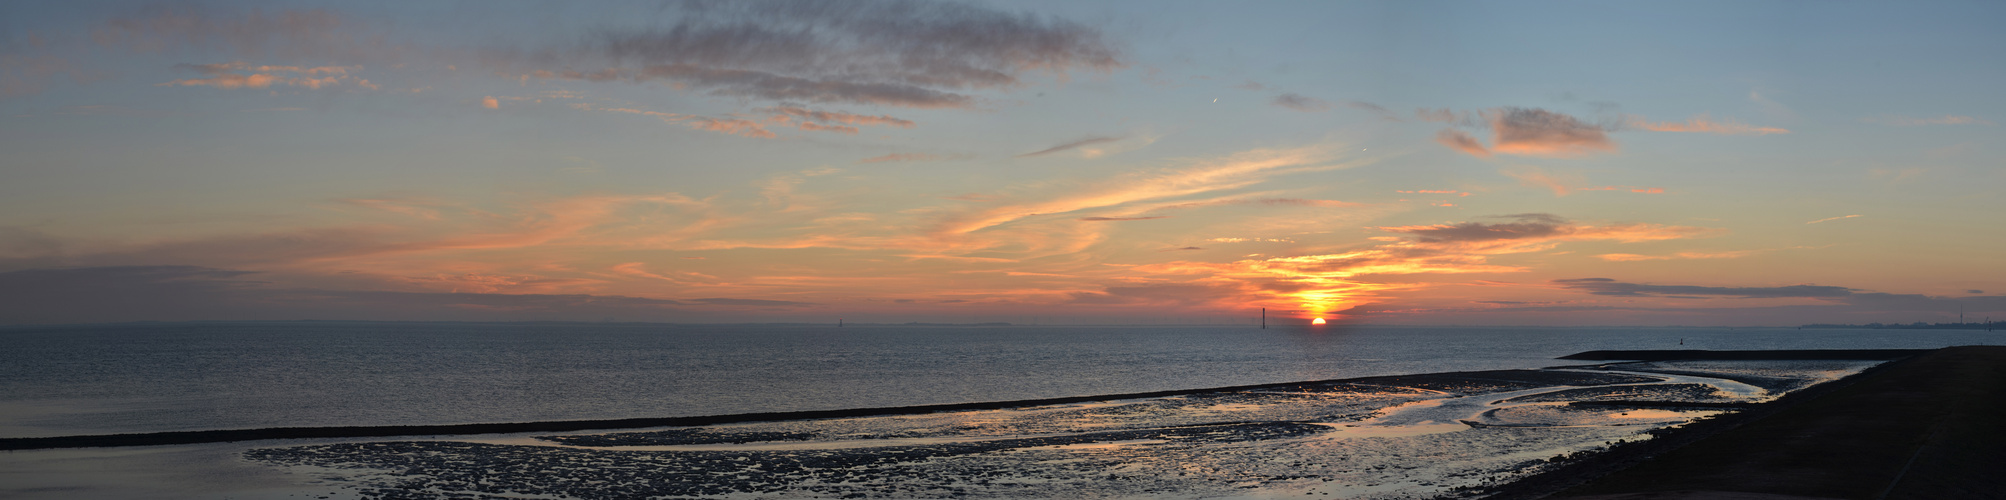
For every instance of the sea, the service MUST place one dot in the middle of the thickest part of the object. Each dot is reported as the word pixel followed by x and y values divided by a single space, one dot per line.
pixel 153 377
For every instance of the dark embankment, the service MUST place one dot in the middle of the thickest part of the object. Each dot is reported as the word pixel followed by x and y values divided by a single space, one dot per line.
pixel 1532 377
pixel 1922 427
pixel 1779 355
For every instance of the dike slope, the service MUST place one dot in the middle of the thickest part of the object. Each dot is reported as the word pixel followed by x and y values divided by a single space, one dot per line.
pixel 1931 426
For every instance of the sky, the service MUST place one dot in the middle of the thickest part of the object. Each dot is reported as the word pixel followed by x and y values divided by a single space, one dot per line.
pixel 1403 163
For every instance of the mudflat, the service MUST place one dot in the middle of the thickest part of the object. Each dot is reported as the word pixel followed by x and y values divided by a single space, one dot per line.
pixel 1929 426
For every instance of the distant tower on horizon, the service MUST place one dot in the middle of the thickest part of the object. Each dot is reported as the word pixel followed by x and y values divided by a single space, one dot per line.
pixel 1264 318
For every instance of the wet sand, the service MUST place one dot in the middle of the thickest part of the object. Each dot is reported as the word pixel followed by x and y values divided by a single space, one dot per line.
pixel 1413 436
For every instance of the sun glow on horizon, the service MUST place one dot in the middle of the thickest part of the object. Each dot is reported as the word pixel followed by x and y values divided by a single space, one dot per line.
pixel 1317 321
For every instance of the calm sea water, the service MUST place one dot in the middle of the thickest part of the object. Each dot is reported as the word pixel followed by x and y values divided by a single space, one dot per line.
pixel 192 376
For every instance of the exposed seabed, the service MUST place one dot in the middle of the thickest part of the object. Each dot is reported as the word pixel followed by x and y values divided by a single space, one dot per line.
pixel 1415 436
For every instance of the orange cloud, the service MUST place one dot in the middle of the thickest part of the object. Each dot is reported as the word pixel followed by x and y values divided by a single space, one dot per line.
pixel 1632 189
pixel 1561 183
pixel 1070 145
pixel 1631 257
pixel 1538 132
pixel 733 126
pixel 1703 124
pixel 490 103
pixel 747 128
pixel 1534 232
pixel 638 269
pixel 1236 171
pixel 1223 201
pixel 1460 141
pixel 1242 240
pixel 1520 131
pixel 1331 282
pixel 835 117
pixel 232 76
pixel 812 126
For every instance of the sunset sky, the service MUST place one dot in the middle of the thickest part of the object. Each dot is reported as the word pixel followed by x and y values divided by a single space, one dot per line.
pixel 1427 163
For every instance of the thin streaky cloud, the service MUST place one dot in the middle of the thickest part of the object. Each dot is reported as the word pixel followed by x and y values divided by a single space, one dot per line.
pixel 1384 113
pixel 1904 121
pixel 733 126
pixel 1075 144
pixel 1302 103
pixel 1828 219
pixel 906 157
pixel 1631 257
pixel 240 75
pixel 1561 183
pixel 1105 219
pixel 1460 141
pixel 1610 287
pixel 1702 124
pixel 838 117
pixel 1231 172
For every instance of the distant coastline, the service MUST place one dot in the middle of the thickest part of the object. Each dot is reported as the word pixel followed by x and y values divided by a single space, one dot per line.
pixel 1988 326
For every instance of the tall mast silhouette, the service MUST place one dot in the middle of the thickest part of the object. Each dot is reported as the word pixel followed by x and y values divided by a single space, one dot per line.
pixel 1264 318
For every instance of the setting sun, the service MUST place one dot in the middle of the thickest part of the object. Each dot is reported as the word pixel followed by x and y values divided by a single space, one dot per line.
pixel 1317 321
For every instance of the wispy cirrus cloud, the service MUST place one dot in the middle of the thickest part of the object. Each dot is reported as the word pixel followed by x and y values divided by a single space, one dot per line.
pixel 837 117
pixel 27 70
pixel 1631 257
pixel 241 75
pixel 1542 133
pixel 1302 103
pixel 1462 141
pixel 305 34
pixel 1238 200
pixel 1535 232
pixel 1702 124
pixel 1376 109
pixel 1829 219
pixel 1232 172
pixel 1633 189
pixel 905 157
pixel 1434 191
pixel 1071 145
pixel 733 126
pixel 1109 219
pixel 1561 183
pixel 640 269
pixel 1606 286
pixel 1905 121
